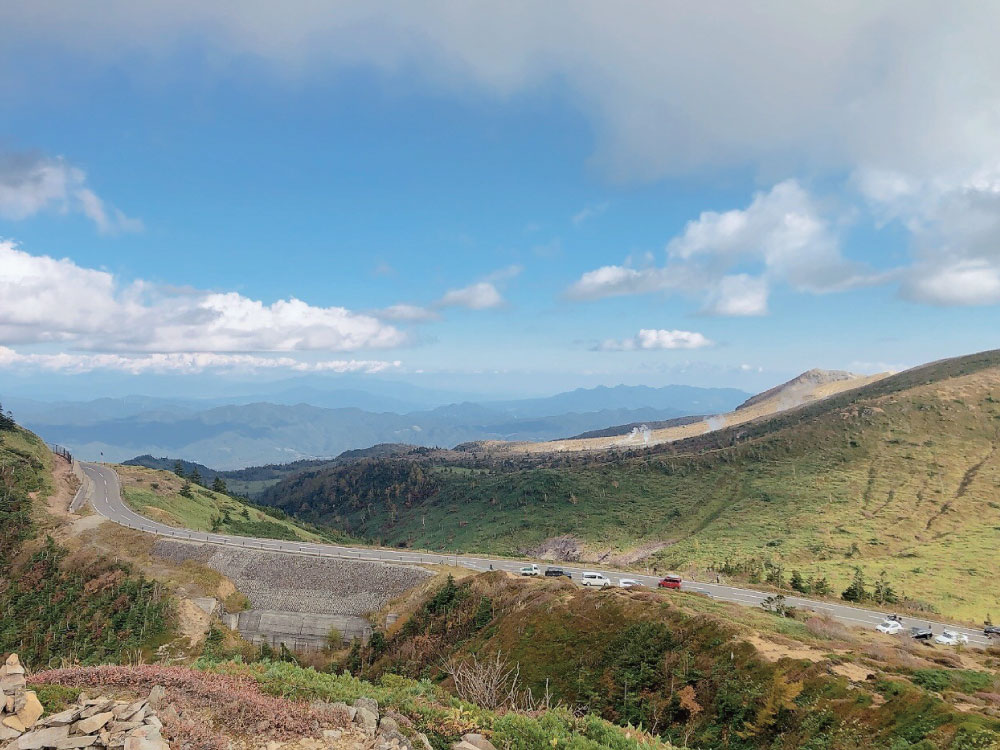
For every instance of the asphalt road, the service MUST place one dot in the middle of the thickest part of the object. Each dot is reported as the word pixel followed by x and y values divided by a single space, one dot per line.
pixel 104 495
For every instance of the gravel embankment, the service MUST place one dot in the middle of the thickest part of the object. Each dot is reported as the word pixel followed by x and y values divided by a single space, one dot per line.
pixel 287 583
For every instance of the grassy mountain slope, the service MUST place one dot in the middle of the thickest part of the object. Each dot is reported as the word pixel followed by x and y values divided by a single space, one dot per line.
pixel 253 480
pixel 902 475
pixel 159 495
pixel 57 606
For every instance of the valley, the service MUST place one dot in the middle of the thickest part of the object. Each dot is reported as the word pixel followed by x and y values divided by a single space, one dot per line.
pixel 900 475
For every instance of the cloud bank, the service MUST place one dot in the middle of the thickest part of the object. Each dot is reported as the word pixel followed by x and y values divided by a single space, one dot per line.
pixel 44 300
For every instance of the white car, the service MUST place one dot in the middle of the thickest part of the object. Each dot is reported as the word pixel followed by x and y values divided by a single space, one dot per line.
pixel 890 627
pixel 951 638
pixel 627 583
pixel 595 579
pixel 531 570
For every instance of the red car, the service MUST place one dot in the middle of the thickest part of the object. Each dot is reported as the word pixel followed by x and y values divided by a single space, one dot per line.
pixel 670 582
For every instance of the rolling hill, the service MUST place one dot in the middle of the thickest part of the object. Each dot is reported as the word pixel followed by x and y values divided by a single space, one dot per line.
pixel 901 475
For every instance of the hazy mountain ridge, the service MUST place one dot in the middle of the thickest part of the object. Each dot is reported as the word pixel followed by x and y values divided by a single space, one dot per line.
pixel 230 436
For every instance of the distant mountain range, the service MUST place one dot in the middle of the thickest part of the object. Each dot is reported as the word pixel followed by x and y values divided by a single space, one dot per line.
pixel 229 436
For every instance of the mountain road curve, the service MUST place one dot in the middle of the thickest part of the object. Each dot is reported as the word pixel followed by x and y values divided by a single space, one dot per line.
pixel 105 497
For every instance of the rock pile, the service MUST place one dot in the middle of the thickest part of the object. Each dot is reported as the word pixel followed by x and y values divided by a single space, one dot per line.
pixel 368 731
pixel 90 723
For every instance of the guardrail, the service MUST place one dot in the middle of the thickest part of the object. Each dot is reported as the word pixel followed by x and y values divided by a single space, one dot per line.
pixel 255 544
pixel 86 490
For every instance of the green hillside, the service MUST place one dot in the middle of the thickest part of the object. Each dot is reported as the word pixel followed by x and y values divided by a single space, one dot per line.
pixel 901 476
pixel 165 497
pixel 57 606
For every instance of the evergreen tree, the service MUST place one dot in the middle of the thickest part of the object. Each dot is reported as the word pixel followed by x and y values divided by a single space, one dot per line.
pixel 186 489
pixel 196 476
pixel 179 468
pixel 219 485
pixel 856 592
pixel 884 593
pixel 6 420
pixel 775 575
pixel 798 583
pixel 820 586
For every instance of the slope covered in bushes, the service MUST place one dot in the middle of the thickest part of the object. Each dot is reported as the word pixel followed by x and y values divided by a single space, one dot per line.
pixel 53 608
pixel 673 664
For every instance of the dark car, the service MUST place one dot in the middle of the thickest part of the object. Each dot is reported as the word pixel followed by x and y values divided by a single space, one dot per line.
pixel 993 631
pixel 921 634
pixel 556 572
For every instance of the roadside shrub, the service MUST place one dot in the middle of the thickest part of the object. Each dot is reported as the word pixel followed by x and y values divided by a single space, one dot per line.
pixel 961 680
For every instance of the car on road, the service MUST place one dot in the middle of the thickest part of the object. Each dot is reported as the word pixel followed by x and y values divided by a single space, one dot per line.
pixel 590 578
pixel 992 631
pixel 531 570
pixel 556 573
pixel 670 582
pixel 889 627
pixel 627 583
pixel 952 638
pixel 921 634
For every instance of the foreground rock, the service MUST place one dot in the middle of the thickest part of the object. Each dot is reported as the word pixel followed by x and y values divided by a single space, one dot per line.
pixel 98 722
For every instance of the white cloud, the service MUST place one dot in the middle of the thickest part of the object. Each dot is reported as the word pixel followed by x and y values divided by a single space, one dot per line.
pixel 47 300
pixel 589 212
pixel 616 281
pixel 783 230
pixel 954 225
pixel 181 362
pixel 668 87
pixel 967 282
pixel 657 338
pixel 482 295
pixel 404 312
pixel 504 274
pixel 737 295
pixel 782 234
pixel 898 88
pixel 30 184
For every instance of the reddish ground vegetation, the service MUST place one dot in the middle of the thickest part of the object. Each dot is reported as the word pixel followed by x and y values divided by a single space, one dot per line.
pixel 237 705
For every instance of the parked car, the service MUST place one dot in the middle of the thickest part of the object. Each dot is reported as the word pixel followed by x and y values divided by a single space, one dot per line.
pixel 670 582
pixel 889 627
pixel 992 631
pixel 627 583
pixel 951 638
pixel 531 570
pixel 556 572
pixel 595 579
pixel 921 634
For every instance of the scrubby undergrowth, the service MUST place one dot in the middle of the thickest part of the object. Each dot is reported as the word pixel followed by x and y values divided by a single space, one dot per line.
pixel 638 657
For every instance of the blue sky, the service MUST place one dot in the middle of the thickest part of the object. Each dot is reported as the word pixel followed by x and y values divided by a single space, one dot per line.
pixel 559 196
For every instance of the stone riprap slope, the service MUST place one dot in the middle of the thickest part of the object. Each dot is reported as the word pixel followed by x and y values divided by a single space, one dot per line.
pixel 279 582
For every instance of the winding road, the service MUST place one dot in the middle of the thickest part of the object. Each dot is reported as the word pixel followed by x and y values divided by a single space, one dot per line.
pixel 103 491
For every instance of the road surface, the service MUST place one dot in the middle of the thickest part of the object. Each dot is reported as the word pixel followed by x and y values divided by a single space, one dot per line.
pixel 104 494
